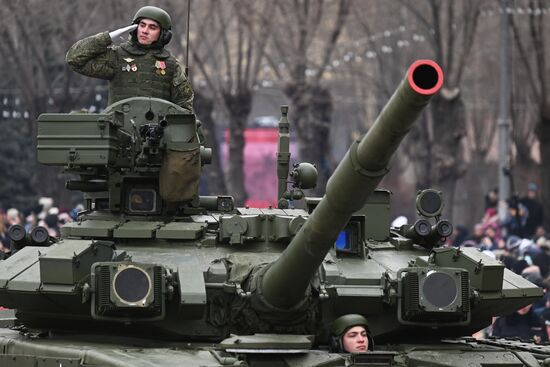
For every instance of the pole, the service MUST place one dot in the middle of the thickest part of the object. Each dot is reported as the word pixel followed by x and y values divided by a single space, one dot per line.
pixel 504 119
pixel 187 39
pixel 283 158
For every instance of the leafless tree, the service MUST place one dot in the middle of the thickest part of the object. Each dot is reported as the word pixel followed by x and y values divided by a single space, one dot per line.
pixel 529 32
pixel 36 36
pixel 395 34
pixel 229 52
pixel 449 28
pixel 304 38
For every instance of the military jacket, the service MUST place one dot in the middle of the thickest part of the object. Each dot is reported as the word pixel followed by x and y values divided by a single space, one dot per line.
pixel 131 70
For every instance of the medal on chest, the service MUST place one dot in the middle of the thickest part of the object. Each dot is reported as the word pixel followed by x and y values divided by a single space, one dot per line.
pixel 129 67
pixel 161 67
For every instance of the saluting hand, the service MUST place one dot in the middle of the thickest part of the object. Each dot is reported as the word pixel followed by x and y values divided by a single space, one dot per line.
pixel 119 32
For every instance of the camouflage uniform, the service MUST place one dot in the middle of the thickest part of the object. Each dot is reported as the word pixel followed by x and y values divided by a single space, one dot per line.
pixel 132 70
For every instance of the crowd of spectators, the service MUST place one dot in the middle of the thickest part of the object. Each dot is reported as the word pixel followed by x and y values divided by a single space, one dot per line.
pixel 521 243
pixel 45 214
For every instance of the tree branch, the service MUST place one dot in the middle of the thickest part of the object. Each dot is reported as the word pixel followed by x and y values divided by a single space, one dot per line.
pixel 449 47
pixel 536 28
pixel 343 11
pixel 412 7
pixel 469 34
pixel 524 58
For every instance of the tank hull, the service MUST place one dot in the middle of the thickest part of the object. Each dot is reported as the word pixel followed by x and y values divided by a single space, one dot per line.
pixel 94 350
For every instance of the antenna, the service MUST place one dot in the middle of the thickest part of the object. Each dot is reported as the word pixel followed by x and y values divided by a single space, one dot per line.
pixel 187 40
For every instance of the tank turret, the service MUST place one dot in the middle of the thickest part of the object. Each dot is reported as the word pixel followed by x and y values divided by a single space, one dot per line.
pixel 349 188
pixel 436 290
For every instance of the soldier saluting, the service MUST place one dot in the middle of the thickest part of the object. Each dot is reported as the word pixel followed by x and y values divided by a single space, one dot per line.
pixel 140 66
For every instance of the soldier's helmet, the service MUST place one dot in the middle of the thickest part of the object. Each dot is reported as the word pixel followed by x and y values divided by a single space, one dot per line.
pixel 341 325
pixel 158 15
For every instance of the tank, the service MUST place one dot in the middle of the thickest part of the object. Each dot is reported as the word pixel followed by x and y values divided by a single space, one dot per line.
pixel 152 273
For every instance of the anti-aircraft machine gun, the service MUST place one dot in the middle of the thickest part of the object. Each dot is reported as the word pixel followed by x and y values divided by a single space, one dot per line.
pixel 153 273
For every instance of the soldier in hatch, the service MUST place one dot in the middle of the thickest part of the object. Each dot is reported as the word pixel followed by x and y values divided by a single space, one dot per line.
pixel 140 66
pixel 350 334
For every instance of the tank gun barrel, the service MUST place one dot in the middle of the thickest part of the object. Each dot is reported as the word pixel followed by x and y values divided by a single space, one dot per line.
pixel 356 177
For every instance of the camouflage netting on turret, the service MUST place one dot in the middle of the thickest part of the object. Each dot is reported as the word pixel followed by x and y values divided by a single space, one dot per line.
pixel 251 314
pixel 180 175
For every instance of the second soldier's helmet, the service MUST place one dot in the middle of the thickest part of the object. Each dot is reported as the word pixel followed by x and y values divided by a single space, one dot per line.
pixel 341 325
pixel 161 17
